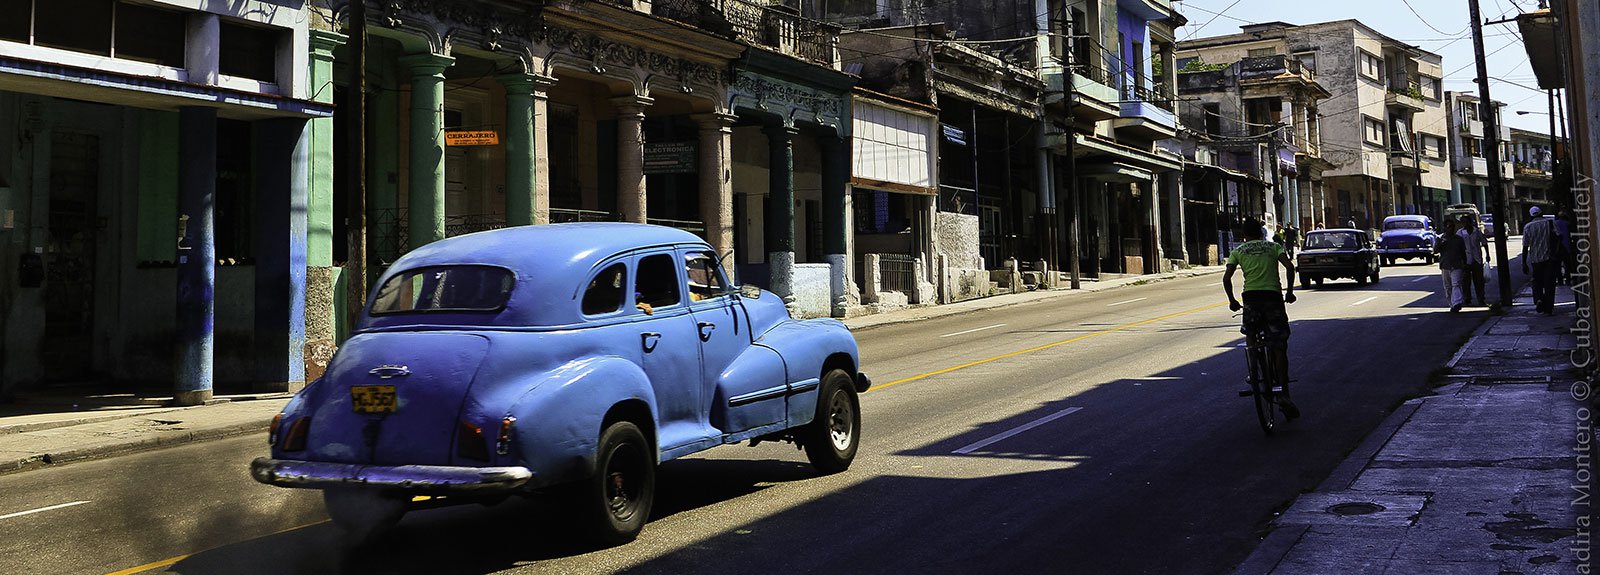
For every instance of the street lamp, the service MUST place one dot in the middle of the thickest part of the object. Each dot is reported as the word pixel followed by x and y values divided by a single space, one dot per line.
pixel 1526 112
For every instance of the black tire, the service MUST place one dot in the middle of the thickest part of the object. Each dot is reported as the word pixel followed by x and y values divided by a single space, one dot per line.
pixel 614 503
pixel 1361 279
pixel 1374 275
pixel 363 514
pixel 832 437
pixel 1305 281
pixel 1261 388
pixel 1427 260
pixel 1319 282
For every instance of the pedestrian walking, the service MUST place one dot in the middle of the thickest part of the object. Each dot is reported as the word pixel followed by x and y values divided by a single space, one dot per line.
pixel 1539 251
pixel 1477 247
pixel 1452 252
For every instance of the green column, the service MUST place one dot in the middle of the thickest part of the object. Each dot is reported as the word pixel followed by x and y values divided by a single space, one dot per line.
pixel 522 90
pixel 427 147
pixel 383 172
pixel 319 206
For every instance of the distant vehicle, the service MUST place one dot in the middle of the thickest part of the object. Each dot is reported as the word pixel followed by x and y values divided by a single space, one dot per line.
pixel 567 357
pixel 1488 224
pixel 1337 253
pixel 1407 237
pixel 1454 211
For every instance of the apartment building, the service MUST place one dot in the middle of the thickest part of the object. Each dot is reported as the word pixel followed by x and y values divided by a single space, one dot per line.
pixel 1468 162
pixel 1383 125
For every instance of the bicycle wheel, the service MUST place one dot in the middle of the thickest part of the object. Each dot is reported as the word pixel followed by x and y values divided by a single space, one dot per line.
pixel 1265 373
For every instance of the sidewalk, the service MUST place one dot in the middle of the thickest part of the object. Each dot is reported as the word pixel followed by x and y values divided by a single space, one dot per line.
pixel 1478 478
pixel 66 424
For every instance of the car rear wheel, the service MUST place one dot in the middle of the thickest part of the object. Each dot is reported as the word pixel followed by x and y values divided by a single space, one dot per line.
pixel 1305 281
pixel 363 514
pixel 1374 275
pixel 1427 260
pixel 615 502
pixel 832 437
pixel 1361 279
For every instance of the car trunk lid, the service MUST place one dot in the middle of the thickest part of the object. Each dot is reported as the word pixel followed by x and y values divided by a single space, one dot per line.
pixel 395 398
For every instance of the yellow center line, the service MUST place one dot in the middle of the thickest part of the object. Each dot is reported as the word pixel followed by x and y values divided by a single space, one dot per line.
pixel 1045 346
pixel 168 562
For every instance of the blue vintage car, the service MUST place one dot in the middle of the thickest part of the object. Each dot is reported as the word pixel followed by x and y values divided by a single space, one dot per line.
pixel 566 357
pixel 1407 237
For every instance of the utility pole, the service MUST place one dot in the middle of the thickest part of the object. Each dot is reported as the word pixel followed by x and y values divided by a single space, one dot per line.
pixel 1491 152
pixel 356 194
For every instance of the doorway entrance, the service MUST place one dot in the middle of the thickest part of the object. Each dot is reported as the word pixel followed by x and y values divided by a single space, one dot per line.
pixel 67 353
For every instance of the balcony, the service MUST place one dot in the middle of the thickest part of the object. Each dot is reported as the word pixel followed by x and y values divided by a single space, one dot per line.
pixel 1473 128
pixel 772 26
pixel 1408 99
pixel 1406 162
pixel 1144 114
pixel 1091 96
pixel 1274 68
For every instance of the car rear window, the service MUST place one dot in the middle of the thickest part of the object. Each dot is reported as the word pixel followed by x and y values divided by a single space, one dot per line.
pixel 445 289
pixel 1327 240
pixel 1403 225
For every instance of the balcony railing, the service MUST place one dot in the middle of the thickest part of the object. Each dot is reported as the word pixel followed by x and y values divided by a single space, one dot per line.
pixel 391 229
pixel 778 27
pixel 1272 66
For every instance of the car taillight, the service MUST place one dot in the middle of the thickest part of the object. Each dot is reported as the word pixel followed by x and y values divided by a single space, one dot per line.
pixel 295 439
pixel 272 430
pixel 469 442
pixel 503 444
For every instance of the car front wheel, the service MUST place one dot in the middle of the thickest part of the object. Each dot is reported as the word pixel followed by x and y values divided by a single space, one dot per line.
pixel 616 500
pixel 832 437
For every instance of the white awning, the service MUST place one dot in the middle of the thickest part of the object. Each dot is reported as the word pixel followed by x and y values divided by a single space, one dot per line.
pixel 893 147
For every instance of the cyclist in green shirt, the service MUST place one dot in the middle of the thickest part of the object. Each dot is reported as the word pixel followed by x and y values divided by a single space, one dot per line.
pixel 1263 307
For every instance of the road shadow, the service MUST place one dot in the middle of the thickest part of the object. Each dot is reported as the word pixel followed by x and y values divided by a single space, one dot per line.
pixel 1166 472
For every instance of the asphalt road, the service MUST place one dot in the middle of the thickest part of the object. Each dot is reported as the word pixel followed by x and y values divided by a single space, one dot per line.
pixel 1088 433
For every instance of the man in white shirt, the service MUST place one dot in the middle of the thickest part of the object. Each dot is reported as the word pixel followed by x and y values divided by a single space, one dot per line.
pixel 1477 255
pixel 1538 253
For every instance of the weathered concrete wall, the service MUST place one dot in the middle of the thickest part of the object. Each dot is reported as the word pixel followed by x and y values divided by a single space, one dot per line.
pixel 320 328
pixel 955 236
pixel 813 290
pixel 144 351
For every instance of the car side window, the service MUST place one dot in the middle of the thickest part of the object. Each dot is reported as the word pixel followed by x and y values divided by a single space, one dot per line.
pixel 705 276
pixel 655 283
pixel 604 294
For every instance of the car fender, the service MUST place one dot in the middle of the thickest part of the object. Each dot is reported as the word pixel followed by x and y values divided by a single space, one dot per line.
pixel 559 415
pixel 808 347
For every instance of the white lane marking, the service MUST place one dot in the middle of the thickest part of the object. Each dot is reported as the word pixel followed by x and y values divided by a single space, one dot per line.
pixel 41 509
pixel 974 330
pixel 1123 302
pixel 1364 301
pixel 1421 279
pixel 1216 284
pixel 1017 430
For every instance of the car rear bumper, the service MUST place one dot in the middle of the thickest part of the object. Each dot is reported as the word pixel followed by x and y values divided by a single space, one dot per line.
pixel 1406 252
pixel 418 479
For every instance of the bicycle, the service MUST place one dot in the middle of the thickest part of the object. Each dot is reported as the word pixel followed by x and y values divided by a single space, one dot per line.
pixel 1267 362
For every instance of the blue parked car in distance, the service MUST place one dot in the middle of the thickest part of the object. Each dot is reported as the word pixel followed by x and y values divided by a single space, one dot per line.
pixel 571 358
pixel 1407 237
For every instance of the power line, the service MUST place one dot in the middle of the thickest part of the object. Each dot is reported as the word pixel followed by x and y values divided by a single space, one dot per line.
pixel 1213 19
pixel 1429 24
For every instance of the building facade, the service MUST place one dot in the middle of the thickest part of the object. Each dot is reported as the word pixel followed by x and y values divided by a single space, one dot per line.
pixel 154 185
pixel 1467 159
pixel 1383 127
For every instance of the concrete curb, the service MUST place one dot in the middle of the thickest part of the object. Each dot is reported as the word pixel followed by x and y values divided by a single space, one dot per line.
pixel 1011 299
pixel 53 458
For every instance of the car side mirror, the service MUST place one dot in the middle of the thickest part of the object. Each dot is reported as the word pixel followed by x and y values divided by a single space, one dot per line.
pixel 750 291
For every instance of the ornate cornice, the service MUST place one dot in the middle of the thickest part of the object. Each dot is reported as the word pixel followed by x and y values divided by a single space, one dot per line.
pixel 604 51
pixel 787 99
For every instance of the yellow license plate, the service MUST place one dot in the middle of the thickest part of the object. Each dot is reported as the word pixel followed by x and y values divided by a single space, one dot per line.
pixel 373 399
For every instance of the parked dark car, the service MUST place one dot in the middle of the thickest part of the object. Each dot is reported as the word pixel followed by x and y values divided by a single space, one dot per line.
pixel 1407 237
pixel 1335 254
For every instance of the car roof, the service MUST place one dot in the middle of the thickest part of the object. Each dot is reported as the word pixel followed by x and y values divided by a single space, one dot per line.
pixel 1414 217
pixel 1330 230
pixel 550 261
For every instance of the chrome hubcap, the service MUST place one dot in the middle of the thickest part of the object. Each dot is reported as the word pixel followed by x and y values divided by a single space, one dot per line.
pixel 841 421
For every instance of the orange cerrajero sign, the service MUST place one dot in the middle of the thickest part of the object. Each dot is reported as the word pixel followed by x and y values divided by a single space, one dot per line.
pixel 471 138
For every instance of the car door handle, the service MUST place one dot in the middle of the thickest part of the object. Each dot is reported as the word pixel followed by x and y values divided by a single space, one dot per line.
pixel 649 339
pixel 706 328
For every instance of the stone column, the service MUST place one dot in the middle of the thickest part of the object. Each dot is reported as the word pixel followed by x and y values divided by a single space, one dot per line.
pixel 523 198
pixel 1153 226
pixel 426 210
pixel 197 253
pixel 779 225
pixel 835 185
pixel 281 149
pixel 322 278
pixel 716 183
pixel 631 201
pixel 1177 236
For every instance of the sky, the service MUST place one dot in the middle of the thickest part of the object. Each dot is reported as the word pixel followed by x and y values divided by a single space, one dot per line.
pixel 1444 32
